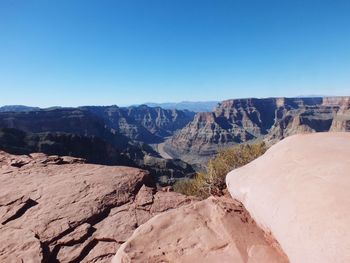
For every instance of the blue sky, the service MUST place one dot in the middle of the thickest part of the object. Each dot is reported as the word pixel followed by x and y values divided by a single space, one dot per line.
pixel 101 52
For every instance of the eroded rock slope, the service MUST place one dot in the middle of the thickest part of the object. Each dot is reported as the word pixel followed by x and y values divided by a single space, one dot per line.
pixel 248 120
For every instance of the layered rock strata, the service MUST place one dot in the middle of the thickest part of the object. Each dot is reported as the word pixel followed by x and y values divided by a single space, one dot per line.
pixel 249 120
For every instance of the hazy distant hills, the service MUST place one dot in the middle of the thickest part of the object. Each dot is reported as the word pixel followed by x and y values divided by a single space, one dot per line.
pixel 17 108
pixel 196 106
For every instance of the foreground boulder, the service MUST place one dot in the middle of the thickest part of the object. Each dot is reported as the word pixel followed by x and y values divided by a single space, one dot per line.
pixel 58 209
pixel 299 191
pixel 213 230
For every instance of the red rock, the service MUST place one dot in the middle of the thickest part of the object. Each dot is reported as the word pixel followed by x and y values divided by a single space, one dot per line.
pixel 213 230
pixel 57 208
pixel 19 245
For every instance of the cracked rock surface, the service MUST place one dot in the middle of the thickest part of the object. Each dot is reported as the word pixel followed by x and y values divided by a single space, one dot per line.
pixel 213 230
pixel 58 209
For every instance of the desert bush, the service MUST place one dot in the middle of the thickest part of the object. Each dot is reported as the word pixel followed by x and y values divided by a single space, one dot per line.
pixel 194 187
pixel 212 182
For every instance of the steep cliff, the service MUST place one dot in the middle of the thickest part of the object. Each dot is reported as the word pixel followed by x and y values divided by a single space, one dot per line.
pixel 97 135
pixel 142 123
pixel 248 120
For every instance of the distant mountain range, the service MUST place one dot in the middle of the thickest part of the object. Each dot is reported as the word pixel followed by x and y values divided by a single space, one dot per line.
pixel 196 106
pixel 17 108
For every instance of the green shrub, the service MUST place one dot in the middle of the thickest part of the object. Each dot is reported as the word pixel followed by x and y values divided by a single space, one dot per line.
pixel 212 182
pixel 194 187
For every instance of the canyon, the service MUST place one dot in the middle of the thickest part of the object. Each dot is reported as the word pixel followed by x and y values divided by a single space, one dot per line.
pixel 91 184
pixel 170 143
pixel 142 136
pixel 255 120
pixel 101 135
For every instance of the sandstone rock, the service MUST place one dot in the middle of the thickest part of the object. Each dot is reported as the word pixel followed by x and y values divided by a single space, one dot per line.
pixel 213 230
pixel 19 245
pixel 58 209
pixel 341 121
pixel 299 191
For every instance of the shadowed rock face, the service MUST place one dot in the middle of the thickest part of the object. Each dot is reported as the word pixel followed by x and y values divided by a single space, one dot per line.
pixel 58 209
pixel 97 151
pixel 244 120
pixel 91 148
pixel 102 135
pixel 143 123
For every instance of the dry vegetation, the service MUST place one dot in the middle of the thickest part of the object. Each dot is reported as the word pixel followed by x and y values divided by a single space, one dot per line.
pixel 212 182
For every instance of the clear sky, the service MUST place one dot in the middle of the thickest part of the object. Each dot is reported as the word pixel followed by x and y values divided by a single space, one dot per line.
pixel 101 52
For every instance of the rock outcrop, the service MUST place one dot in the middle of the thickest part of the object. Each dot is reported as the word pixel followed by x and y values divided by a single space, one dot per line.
pixel 213 230
pixel 299 192
pixel 341 121
pixel 248 120
pixel 59 209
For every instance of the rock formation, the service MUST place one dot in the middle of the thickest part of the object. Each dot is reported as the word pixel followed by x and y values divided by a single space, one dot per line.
pixel 299 192
pixel 58 209
pixel 341 121
pixel 142 123
pixel 101 135
pixel 213 230
pixel 249 120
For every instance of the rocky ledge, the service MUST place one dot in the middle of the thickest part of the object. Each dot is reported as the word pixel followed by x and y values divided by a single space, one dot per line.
pixel 58 209
pixel 213 230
